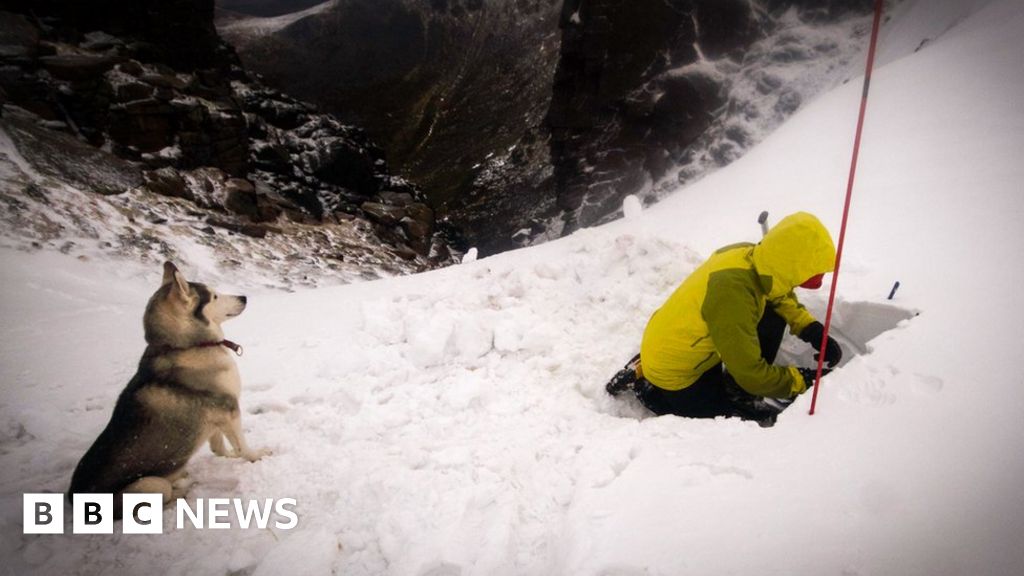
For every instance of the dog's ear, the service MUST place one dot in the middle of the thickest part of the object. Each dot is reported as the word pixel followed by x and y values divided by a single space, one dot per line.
pixel 169 271
pixel 179 285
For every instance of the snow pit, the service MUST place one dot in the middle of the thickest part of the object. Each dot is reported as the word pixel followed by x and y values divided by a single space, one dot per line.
pixel 854 325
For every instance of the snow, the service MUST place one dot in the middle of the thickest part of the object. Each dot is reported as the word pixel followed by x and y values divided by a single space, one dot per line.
pixel 631 207
pixel 455 422
pixel 262 26
pixel 17 162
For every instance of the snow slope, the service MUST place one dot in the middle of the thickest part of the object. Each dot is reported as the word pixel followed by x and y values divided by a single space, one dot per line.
pixel 455 422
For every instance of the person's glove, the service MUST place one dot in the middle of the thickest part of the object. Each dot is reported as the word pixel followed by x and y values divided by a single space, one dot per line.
pixel 812 335
pixel 809 374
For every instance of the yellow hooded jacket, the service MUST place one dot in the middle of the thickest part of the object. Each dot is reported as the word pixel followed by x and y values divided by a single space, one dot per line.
pixel 712 317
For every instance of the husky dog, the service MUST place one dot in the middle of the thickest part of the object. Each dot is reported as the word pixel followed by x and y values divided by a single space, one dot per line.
pixel 184 394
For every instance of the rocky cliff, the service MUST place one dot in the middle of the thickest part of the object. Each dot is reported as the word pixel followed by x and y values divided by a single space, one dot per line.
pixel 526 120
pixel 444 85
pixel 645 86
pixel 140 106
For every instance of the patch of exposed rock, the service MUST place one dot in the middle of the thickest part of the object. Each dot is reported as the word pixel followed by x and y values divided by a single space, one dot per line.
pixel 106 115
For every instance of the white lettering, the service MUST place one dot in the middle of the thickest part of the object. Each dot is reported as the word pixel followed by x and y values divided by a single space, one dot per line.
pixel 253 510
pixel 281 506
pixel 195 517
pixel 218 508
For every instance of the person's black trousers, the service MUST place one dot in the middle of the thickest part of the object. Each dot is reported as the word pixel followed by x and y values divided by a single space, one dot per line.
pixel 715 393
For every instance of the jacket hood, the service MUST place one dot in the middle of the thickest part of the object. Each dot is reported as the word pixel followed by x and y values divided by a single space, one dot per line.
pixel 795 249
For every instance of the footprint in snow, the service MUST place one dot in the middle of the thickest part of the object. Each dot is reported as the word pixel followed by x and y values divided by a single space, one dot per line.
pixel 441 569
pixel 927 384
pixel 258 386
pixel 622 570
pixel 867 387
pixel 265 407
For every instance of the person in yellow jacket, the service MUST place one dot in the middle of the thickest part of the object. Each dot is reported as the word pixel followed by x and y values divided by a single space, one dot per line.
pixel 709 350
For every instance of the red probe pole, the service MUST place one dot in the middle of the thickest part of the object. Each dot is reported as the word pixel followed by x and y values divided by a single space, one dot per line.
pixel 849 195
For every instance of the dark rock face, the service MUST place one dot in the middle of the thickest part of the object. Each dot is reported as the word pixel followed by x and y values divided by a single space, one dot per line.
pixel 168 182
pixel 78 67
pixel 516 139
pixel 338 162
pixel 178 32
pixel 442 85
pixel 326 168
pixel 18 37
pixel 622 106
pixel 821 10
pixel 624 100
pixel 192 126
pixel 110 94
pixel 633 91
pixel 60 155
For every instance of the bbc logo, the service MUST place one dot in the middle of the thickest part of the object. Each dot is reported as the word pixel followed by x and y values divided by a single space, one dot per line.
pixel 143 513
pixel 93 514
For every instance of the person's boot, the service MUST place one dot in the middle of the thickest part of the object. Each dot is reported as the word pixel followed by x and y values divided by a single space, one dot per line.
pixel 624 379
pixel 749 407
pixel 778 404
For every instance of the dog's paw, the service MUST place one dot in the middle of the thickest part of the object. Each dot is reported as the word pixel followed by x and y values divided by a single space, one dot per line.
pixel 181 486
pixel 255 455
